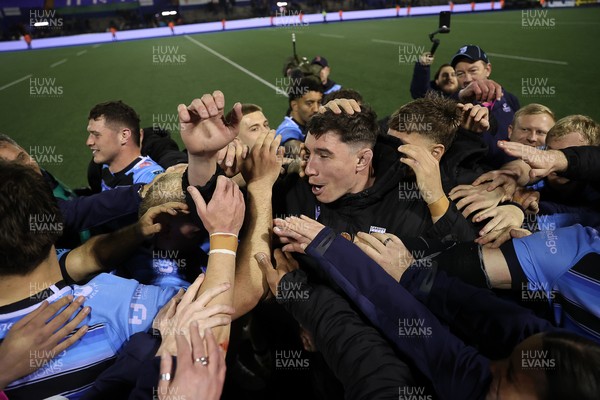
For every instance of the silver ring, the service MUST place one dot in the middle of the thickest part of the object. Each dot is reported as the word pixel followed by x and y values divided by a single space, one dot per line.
pixel 165 377
pixel 202 360
pixel 386 241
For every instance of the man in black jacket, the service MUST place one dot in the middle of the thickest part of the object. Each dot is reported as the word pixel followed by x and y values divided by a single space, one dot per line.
pixel 356 182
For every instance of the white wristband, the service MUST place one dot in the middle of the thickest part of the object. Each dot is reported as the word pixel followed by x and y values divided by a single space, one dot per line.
pixel 223 233
pixel 222 251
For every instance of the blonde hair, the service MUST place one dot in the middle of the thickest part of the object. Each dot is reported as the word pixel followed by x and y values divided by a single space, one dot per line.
pixel 532 109
pixel 582 124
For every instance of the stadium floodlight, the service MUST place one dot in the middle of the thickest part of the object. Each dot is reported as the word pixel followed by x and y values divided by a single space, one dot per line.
pixel 41 23
pixel 167 13
pixel 282 3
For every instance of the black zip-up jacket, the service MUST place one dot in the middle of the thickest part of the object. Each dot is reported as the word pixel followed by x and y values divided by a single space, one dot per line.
pixel 392 204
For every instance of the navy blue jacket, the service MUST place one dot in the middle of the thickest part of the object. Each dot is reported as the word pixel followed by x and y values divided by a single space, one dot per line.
pixel 456 370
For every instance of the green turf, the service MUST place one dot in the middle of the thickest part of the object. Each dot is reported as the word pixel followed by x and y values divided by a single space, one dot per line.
pixel 126 71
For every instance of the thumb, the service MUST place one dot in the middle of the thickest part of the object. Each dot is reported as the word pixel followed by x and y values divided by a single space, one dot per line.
pixel 264 262
pixel 198 201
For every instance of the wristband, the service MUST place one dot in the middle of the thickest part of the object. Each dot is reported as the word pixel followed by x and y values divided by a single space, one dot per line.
pixel 224 241
pixel 439 207
pixel 222 251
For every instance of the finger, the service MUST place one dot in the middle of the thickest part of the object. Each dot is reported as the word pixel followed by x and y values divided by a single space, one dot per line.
pixel 379 236
pixel 332 105
pixel 212 349
pixel 491 226
pixel 477 91
pixel 50 310
pixel 498 91
pixel 237 116
pixel 354 104
pixel 519 233
pixel 267 268
pixel 474 207
pixel 289 233
pixel 70 327
pixel 198 349
pixel 209 103
pixel 191 292
pixel 460 189
pixel 483 178
pixel 166 365
pixel 196 313
pixel 198 201
pixel 64 315
pixel 182 112
pixel 214 321
pixel 65 344
pixel 211 293
pixel 184 353
pixel 294 247
pixel 38 311
pixel 198 107
pixel 230 156
pixel 219 99
pixel 372 241
pixel 347 106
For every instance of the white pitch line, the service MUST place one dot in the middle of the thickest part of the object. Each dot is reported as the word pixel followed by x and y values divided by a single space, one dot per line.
pixel 81 52
pixel 332 35
pixel 64 60
pixel 236 65
pixel 540 60
pixel 96 45
pixel 390 42
pixel 15 82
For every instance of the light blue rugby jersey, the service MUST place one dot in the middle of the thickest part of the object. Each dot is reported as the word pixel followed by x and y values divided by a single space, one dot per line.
pixel 289 130
pixel 120 308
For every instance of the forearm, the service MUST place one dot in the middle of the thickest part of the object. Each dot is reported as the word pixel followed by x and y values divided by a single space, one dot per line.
pixel 452 224
pixel 103 252
pixel 201 169
pixel 249 280
pixel 220 269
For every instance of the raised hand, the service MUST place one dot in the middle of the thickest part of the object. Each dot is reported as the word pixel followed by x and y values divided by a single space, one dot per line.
pixel 225 211
pixel 482 90
pixel 264 162
pixel 542 162
pixel 204 130
pixel 475 118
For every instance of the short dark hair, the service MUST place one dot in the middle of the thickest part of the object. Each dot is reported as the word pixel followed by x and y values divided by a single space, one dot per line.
pixel 434 116
pixel 31 221
pixel 117 112
pixel 360 127
pixel 350 94
pixel 576 370
pixel 303 86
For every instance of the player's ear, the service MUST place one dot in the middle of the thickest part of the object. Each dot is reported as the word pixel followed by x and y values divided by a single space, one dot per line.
pixel 125 135
pixel 488 70
pixel 363 159
pixel 438 151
